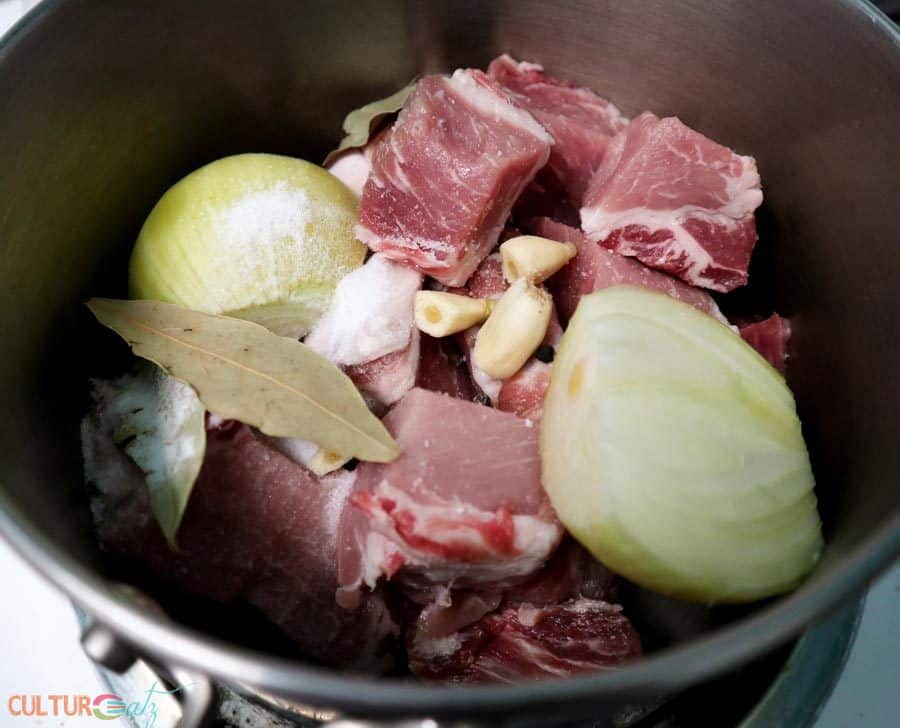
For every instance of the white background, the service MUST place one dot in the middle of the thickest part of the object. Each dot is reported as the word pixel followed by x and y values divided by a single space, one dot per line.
pixel 40 654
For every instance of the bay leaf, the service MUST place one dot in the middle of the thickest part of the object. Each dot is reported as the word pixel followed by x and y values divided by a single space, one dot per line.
pixel 242 371
pixel 359 123
pixel 160 424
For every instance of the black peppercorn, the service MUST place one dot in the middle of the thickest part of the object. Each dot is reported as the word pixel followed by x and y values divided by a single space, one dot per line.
pixel 545 353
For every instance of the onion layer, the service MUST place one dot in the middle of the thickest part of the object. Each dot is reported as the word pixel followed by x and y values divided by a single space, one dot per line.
pixel 673 451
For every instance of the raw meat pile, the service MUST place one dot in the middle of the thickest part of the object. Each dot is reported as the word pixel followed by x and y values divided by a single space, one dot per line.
pixel 453 550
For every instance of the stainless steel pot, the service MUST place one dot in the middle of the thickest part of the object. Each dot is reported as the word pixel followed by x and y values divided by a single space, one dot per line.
pixel 102 106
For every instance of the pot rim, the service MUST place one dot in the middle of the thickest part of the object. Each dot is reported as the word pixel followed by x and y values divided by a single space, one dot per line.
pixel 662 672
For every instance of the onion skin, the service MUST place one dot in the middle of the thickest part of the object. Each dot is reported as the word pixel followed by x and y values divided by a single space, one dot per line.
pixel 673 452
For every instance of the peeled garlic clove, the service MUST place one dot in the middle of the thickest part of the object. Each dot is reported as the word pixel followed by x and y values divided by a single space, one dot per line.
pixel 515 328
pixel 258 236
pixel 442 314
pixel 324 462
pixel 306 453
pixel 534 258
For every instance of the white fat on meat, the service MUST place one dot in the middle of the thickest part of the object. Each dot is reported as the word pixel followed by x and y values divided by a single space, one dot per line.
pixel 450 527
pixel 493 104
pixel 371 314
pixel 352 168
pixel 682 247
pixel 370 328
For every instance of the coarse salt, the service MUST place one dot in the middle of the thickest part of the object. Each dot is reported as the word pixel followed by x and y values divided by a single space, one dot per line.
pixel 271 238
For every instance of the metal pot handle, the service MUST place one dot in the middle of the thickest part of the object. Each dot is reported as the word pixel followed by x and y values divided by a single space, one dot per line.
pixel 197 698
pixel 193 690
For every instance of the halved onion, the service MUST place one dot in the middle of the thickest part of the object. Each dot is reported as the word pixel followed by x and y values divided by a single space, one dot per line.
pixel 674 453
pixel 258 236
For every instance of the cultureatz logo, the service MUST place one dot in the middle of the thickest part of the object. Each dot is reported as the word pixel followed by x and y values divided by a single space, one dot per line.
pixel 107 706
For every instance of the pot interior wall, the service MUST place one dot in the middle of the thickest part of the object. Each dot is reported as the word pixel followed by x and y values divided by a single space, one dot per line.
pixel 105 106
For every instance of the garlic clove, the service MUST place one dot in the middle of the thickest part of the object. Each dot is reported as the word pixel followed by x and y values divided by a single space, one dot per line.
pixel 324 462
pixel 534 258
pixel 442 314
pixel 513 331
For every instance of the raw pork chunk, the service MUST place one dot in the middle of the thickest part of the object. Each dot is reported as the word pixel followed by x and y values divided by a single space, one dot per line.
pixel 447 611
pixel 442 368
pixel 445 178
pixel 258 528
pixel 529 641
pixel 595 267
pixel 676 201
pixel 581 123
pixel 770 338
pixel 487 281
pixel 463 504
pixel 384 381
pixel 571 572
pixel 454 637
pixel 429 363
